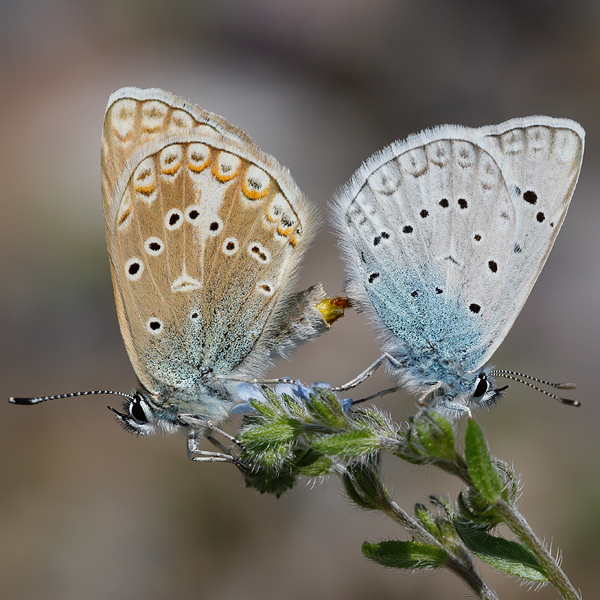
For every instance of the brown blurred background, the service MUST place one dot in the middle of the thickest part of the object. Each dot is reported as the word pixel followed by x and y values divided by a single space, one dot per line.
pixel 88 511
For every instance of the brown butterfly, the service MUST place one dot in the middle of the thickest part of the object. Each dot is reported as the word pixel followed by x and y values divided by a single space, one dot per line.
pixel 205 235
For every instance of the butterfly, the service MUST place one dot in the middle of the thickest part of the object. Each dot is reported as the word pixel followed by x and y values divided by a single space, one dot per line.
pixel 444 235
pixel 205 235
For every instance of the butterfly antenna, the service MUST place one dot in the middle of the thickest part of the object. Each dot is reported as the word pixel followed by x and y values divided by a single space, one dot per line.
pixel 521 377
pixel 32 401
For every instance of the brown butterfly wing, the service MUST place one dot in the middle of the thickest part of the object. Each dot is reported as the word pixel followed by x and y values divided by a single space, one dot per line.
pixel 205 234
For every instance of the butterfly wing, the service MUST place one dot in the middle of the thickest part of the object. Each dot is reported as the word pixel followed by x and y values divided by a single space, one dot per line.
pixel 205 233
pixel 134 117
pixel 540 158
pixel 430 225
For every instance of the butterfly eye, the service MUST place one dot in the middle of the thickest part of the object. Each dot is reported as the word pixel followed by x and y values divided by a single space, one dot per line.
pixel 482 386
pixel 137 411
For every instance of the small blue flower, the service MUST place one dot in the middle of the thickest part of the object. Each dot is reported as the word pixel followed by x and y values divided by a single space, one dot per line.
pixel 322 385
pixel 246 392
pixel 301 391
pixel 295 390
pixel 289 389
pixel 347 404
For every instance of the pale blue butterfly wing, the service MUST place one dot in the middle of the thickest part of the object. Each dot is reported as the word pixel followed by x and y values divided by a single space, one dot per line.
pixel 540 158
pixel 205 235
pixel 442 245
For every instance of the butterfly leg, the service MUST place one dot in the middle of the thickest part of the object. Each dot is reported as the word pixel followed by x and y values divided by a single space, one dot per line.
pixel 198 429
pixel 453 409
pixel 446 407
pixel 195 435
pixel 254 381
pixel 377 395
pixel 422 401
pixel 200 424
pixel 367 373
pixel 217 444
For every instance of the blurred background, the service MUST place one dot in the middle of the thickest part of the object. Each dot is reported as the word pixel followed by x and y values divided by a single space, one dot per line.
pixel 89 511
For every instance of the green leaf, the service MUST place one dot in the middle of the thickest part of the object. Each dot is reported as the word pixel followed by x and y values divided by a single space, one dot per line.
pixel 259 436
pixel 268 482
pixel 349 444
pixel 481 468
pixel 327 410
pixel 362 482
pixel 313 464
pixel 275 458
pixel 506 556
pixel 411 454
pixel 317 469
pixel 429 439
pixel 263 409
pixel 473 508
pixel 395 554
pixel 443 504
pixel 426 519
pixel 510 487
pixel 375 421
pixel 293 408
pixel 436 435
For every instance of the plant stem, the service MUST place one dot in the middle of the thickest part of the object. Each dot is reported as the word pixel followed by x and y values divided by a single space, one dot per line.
pixel 460 565
pixel 517 524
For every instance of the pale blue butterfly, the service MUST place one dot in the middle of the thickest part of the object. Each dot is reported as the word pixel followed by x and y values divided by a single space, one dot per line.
pixel 444 235
pixel 205 235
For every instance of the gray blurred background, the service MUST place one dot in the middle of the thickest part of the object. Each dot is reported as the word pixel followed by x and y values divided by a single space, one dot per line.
pixel 89 511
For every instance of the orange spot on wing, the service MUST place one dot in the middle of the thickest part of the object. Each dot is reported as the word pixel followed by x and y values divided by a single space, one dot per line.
pixel 223 177
pixel 146 190
pixel 124 216
pixel 285 231
pixel 197 168
pixel 171 170
pixel 253 193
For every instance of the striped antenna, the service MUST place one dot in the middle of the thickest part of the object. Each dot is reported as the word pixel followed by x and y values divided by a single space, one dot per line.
pixel 32 401
pixel 520 378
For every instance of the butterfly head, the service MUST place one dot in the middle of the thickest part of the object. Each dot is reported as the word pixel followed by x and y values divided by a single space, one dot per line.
pixel 485 393
pixel 458 395
pixel 143 417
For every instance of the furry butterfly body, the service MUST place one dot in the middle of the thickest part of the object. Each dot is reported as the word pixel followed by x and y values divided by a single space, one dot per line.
pixel 444 236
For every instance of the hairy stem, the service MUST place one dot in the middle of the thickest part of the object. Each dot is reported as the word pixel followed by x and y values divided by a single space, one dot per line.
pixel 517 524
pixel 460 565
